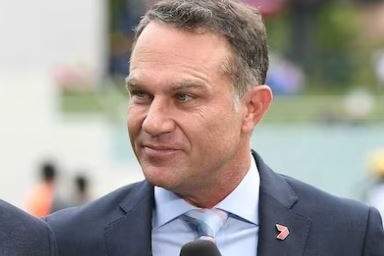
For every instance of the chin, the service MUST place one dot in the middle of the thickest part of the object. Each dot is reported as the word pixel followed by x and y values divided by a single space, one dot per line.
pixel 158 179
pixel 161 183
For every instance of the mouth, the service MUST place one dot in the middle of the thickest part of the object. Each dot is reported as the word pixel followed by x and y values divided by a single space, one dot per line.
pixel 159 150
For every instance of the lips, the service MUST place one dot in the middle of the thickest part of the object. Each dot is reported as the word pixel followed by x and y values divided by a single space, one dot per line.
pixel 159 147
pixel 159 150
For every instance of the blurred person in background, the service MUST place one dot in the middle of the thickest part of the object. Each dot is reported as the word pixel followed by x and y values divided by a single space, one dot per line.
pixel 197 91
pixel 22 234
pixel 40 200
pixel 81 190
pixel 44 198
pixel 375 195
pixel 284 77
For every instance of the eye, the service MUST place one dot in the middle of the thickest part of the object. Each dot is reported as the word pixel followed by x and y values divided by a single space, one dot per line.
pixel 139 95
pixel 183 97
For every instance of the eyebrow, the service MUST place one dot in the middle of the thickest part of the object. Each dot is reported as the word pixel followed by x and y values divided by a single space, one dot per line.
pixel 188 83
pixel 132 83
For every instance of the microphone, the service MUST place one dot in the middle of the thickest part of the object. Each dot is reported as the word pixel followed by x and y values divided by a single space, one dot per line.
pixel 200 247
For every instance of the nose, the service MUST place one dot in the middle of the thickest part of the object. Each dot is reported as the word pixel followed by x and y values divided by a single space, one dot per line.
pixel 158 119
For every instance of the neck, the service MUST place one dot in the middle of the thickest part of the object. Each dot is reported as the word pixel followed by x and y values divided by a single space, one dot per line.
pixel 209 196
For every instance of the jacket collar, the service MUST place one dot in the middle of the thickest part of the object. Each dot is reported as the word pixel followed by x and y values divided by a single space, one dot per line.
pixel 276 206
pixel 130 232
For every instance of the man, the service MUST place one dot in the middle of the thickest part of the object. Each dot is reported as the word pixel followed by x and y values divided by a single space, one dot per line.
pixel 197 91
pixel 22 234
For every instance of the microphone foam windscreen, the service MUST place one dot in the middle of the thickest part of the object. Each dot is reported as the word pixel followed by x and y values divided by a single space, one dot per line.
pixel 200 248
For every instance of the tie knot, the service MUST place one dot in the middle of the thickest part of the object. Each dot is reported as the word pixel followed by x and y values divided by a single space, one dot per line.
pixel 206 222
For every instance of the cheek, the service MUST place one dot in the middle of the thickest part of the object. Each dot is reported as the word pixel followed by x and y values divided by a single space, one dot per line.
pixel 130 125
pixel 133 127
pixel 226 131
pixel 133 119
pixel 215 129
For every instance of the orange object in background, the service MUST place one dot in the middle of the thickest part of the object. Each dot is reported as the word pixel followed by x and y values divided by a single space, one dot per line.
pixel 40 200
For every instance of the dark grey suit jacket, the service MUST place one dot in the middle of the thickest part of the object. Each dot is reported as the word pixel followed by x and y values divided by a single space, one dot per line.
pixel 22 234
pixel 119 224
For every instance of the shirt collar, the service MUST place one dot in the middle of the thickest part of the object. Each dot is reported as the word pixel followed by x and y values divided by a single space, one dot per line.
pixel 242 202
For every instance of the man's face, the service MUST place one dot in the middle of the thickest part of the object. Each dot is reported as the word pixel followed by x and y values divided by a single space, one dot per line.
pixel 184 126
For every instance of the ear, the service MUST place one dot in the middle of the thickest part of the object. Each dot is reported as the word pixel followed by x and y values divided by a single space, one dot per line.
pixel 257 101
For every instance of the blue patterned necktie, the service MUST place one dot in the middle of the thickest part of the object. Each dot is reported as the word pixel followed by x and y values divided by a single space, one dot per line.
pixel 206 222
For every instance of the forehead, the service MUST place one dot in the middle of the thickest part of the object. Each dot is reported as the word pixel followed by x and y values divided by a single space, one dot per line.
pixel 166 44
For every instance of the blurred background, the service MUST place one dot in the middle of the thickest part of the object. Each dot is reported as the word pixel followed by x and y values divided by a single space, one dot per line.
pixel 63 101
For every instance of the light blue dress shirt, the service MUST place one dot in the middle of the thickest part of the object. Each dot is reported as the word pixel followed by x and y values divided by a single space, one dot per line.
pixel 239 234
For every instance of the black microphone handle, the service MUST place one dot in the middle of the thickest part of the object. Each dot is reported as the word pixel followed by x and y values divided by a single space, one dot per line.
pixel 200 247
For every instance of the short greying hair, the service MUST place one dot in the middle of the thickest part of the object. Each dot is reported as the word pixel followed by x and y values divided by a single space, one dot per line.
pixel 240 24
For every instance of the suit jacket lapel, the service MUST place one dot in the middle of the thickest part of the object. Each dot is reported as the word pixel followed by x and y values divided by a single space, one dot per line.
pixel 276 206
pixel 130 233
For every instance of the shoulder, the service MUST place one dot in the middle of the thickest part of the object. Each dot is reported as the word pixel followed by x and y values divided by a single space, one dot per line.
pixel 19 220
pixel 328 214
pixel 345 214
pixel 103 210
pixel 314 199
pixel 337 217
pixel 21 232
pixel 305 198
pixel 88 223
pixel 340 224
